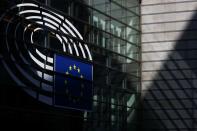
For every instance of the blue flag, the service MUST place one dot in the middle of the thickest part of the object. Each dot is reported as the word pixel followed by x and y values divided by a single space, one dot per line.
pixel 73 83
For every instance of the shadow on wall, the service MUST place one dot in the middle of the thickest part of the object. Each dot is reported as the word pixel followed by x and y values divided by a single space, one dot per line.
pixel 169 103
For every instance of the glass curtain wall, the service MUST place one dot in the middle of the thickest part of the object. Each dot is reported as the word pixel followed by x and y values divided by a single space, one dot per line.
pixel 111 28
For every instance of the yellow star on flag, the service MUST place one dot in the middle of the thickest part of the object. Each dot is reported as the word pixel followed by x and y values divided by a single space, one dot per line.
pixel 78 70
pixel 75 67
pixel 70 67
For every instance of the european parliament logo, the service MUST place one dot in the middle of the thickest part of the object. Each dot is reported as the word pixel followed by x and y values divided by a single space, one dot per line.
pixel 73 83
pixel 29 63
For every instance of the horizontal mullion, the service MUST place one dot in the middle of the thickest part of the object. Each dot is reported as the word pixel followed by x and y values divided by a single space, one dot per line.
pixel 152 23
pixel 169 41
pixel 166 3
pixel 170 51
pixel 178 69
pixel 170 31
pixel 169 12
pixel 164 79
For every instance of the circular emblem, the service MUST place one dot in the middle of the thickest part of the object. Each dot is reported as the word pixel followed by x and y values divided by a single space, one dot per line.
pixel 30 30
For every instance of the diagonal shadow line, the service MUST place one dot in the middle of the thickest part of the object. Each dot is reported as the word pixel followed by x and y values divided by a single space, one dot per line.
pixel 180 85
pixel 192 88
pixel 181 71
pixel 182 104
pixel 173 107
pixel 165 111
pixel 184 90
pixel 160 104
pixel 171 120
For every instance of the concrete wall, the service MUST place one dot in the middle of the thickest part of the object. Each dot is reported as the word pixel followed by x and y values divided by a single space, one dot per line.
pixel 169 65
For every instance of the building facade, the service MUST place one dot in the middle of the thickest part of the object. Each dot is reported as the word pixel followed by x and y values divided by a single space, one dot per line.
pixel 169 65
pixel 143 55
pixel 111 30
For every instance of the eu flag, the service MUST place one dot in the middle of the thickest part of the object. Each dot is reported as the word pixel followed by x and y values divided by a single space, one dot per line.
pixel 73 83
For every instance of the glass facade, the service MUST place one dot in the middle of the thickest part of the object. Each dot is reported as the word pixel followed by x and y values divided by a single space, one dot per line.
pixel 114 36
pixel 111 29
